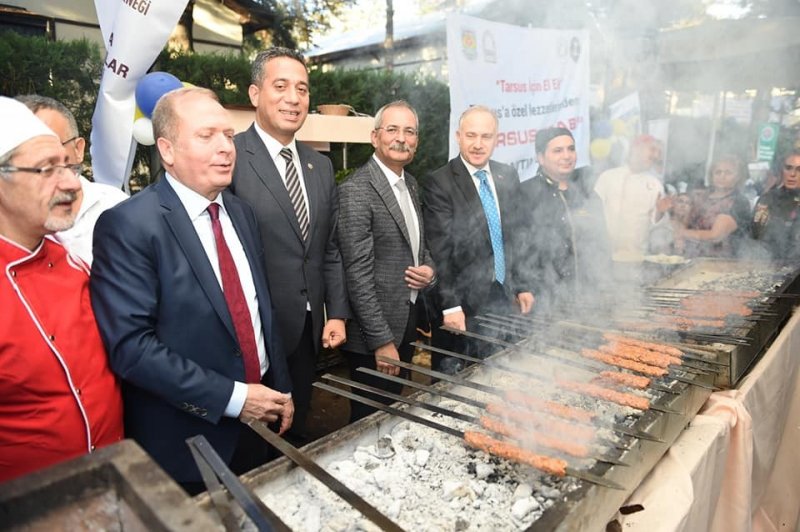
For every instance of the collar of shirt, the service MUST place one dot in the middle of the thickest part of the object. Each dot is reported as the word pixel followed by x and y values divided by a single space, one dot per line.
pixel 194 203
pixel 472 169
pixel 390 175
pixel 274 147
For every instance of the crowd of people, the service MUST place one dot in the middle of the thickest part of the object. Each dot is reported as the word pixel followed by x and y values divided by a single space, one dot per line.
pixel 203 301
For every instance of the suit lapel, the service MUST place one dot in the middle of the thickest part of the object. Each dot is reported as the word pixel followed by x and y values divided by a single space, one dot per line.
pixel 466 185
pixel 264 167
pixel 313 182
pixel 381 185
pixel 185 235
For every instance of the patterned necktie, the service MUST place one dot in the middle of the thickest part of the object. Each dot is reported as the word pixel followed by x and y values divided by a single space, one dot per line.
pixel 493 220
pixel 408 216
pixel 237 304
pixel 296 192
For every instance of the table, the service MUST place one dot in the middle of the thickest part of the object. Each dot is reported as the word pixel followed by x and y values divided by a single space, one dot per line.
pixel 737 465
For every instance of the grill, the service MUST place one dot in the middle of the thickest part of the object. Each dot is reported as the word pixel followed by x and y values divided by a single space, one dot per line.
pixel 442 484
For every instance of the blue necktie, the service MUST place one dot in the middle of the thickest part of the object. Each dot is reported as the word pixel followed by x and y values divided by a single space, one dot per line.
pixel 495 229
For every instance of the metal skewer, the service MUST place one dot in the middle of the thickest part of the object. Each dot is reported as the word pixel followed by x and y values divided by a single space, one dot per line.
pixel 619 444
pixel 328 480
pixel 583 475
pixel 439 410
pixel 476 385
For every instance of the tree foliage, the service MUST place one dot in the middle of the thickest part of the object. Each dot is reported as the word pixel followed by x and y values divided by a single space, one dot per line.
pixel 368 90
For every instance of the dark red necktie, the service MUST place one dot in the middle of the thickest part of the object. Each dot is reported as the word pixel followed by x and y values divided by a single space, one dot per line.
pixel 237 304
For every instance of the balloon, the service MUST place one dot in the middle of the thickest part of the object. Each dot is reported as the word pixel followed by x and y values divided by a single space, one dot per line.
pixel 137 114
pixel 186 84
pixel 600 149
pixel 602 129
pixel 143 131
pixel 152 87
pixel 619 127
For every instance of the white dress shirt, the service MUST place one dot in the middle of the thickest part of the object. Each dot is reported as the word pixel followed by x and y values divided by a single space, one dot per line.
pixel 196 207
pixel 97 197
pixel 274 149
pixel 414 224
pixel 477 182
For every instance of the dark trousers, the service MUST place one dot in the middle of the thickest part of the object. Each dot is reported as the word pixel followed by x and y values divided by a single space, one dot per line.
pixel 499 302
pixel 358 360
pixel 302 370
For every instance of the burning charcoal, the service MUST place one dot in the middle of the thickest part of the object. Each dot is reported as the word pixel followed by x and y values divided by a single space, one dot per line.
pixel 523 507
pixel 523 491
pixel 461 524
pixel 471 468
pixel 483 470
pixel 421 457
pixel 383 448
pixel 393 512
pixel 453 489
pixel 477 487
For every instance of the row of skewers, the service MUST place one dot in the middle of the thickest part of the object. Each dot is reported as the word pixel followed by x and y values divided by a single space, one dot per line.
pixel 548 433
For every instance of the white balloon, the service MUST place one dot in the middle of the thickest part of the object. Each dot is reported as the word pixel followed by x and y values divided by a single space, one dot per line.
pixel 143 131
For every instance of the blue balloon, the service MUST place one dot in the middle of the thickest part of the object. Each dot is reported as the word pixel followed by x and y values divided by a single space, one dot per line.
pixel 152 87
pixel 602 129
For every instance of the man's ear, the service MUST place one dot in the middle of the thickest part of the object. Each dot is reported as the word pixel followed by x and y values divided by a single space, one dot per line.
pixel 166 150
pixel 80 148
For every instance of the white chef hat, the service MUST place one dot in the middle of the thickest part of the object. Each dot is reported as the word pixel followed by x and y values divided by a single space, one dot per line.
pixel 19 125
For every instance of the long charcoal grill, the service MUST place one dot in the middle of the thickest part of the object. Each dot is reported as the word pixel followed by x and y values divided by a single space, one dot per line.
pixel 587 506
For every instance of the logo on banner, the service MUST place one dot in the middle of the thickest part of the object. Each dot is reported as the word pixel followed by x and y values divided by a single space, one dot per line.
pixel 489 47
pixel 469 44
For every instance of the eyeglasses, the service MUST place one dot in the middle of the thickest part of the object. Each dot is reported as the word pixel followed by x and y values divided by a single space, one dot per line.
pixel 395 130
pixel 790 168
pixel 47 171
pixel 76 137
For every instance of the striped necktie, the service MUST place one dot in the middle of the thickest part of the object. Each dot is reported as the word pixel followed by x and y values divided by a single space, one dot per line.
pixel 295 192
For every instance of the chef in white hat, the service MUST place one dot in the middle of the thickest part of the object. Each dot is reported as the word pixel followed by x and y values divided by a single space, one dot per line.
pixel 58 397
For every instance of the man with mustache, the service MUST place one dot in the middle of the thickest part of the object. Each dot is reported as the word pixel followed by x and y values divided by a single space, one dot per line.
pixel 179 290
pixel 93 198
pixel 386 260
pixel 471 209
pixel 58 397
pixel 293 193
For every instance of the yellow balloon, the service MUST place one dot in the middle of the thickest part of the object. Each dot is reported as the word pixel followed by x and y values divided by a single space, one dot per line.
pixel 186 84
pixel 620 127
pixel 137 114
pixel 600 149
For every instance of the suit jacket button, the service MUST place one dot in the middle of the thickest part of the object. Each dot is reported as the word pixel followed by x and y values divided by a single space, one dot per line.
pixel 303 291
pixel 237 353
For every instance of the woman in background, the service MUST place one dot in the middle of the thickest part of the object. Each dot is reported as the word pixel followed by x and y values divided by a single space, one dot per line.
pixel 721 223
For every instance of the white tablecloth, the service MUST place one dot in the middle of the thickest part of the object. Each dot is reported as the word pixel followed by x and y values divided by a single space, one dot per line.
pixel 737 466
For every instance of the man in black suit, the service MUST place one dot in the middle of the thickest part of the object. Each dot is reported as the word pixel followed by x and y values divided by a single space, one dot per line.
pixel 179 292
pixel 385 256
pixel 471 213
pixel 296 205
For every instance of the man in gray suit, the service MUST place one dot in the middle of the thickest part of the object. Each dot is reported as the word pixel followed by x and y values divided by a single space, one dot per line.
pixel 385 257
pixel 293 193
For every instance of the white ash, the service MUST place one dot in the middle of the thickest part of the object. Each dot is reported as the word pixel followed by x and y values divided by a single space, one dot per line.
pixel 428 481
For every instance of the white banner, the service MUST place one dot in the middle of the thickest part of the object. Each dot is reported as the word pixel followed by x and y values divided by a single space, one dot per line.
pixel 134 31
pixel 531 78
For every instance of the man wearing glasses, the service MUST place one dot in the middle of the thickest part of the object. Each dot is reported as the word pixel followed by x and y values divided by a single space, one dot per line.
pixel 93 198
pixel 58 397
pixel 386 260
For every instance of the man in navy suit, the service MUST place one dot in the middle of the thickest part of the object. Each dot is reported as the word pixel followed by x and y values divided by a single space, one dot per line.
pixel 292 191
pixel 192 362
pixel 472 224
